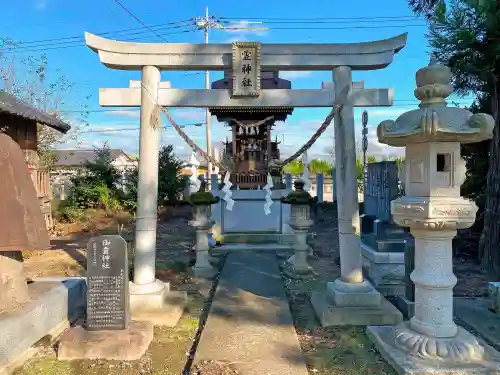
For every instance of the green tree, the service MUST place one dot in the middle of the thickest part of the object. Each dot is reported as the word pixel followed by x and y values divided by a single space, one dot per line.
pixel 318 166
pixel 465 35
pixel 98 183
pixel 295 167
pixel 170 181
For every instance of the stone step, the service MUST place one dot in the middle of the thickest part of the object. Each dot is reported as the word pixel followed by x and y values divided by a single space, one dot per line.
pixel 238 247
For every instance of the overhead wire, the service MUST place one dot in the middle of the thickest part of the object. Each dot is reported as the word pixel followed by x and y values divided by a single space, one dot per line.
pixel 68 42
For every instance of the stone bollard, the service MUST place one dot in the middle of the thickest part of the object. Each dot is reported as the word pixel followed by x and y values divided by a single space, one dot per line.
pixel 334 185
pixel 288 180
pixel 202 222
pixel 320 183
pixel 300 221
pixel 433 209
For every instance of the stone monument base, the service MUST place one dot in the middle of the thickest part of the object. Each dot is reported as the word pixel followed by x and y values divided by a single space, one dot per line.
pixel 406 306
pixel 363 305
pixel 404 363
pixel 204 272
pixel 158 305
pixel 386 270
pixel 50 310
pixel 121 345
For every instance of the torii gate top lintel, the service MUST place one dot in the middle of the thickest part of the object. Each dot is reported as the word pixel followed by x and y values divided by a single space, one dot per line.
pixel 186 56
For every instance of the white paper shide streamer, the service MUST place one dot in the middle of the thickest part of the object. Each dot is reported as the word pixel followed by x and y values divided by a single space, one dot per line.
pixel 194 180
pixel 269 201
pixel 305 173
pixel 227 192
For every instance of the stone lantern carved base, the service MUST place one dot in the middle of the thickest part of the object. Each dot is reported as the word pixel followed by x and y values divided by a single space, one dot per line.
pixel 463 347
pixel 412 353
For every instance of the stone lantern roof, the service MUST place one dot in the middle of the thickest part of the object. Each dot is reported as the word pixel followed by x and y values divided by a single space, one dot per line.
pixel 434 121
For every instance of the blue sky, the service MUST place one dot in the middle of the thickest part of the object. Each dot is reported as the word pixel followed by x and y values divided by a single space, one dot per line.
pixel 363 20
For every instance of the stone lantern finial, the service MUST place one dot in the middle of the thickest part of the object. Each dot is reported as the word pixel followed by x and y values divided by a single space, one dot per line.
pixel 433 84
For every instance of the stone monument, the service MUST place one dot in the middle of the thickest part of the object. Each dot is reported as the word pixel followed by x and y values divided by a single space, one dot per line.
pixel 382 241
pixel 108 332
pixel 431 342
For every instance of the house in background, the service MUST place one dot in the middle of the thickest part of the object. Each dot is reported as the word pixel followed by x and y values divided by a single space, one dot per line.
pixel 69 163
pixel 20 121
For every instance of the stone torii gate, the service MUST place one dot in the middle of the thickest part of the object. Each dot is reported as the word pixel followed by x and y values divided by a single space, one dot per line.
pixel 247 59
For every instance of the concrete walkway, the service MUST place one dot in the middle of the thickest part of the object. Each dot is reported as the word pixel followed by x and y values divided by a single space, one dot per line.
pixel 249 324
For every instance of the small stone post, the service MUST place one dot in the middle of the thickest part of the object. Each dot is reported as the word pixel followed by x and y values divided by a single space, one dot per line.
pixel 320 183
pixel 202 222
pixel 214 182
pixel 334 186
pixel 300 221
pixel 434 210
pixel 288 180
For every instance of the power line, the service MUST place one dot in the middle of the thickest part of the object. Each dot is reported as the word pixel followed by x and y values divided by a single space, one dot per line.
pixel 116 130
pixel 66 42
pixel 316 18
pixel 137 19
pixel 84 45
pixel 325 21
pixel 79 37
pixel 80 41
pixel 407 102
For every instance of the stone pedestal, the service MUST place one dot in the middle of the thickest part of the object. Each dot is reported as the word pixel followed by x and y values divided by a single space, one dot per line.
pixel 386 271
pixel 129 344
pixel 156 303
pixel 494 296
pixel 51 308
pixel 13 287
pixel 431 342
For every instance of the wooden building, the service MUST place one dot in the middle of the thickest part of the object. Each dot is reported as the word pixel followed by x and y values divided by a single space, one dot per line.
pixel 20 121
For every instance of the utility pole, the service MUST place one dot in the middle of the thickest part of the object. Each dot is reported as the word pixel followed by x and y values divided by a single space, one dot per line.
pixel 364 133
pixel 206 23
pixel 208 117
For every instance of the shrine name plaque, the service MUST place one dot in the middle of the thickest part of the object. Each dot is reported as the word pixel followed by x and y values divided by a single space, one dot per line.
pixel 108 306
pixel 246 69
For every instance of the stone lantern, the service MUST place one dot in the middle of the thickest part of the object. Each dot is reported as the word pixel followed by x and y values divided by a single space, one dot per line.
pixel 433 209
pixel 300 221
pixel 202 222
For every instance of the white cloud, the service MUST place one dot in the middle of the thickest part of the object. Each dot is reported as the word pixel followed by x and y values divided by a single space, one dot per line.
pixel 41 4
pixel 295 74
pixel 241 30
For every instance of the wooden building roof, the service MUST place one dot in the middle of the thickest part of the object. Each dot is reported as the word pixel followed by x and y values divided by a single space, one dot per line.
pixel 16 107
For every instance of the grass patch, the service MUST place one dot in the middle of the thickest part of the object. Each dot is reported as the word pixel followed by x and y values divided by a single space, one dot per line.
pixel 168 353
pixel 333 350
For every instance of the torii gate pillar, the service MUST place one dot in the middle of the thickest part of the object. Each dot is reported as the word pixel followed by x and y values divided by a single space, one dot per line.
pixel 149 296
pixel 349 300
